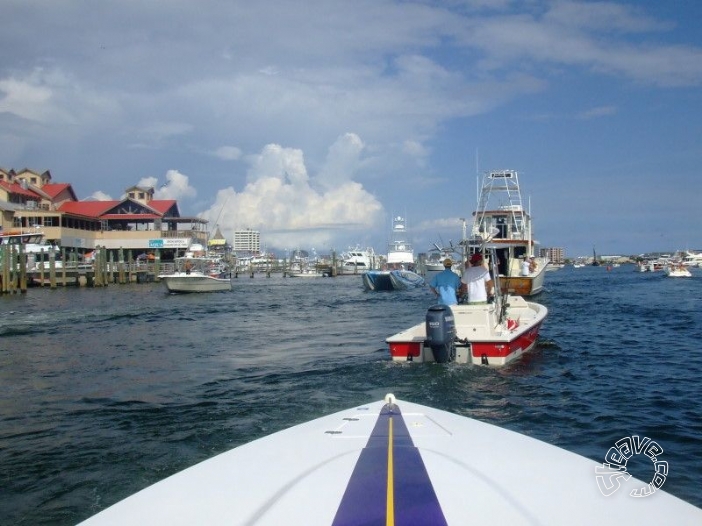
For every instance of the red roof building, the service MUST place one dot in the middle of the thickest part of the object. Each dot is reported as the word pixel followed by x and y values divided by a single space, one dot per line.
pixel 29 200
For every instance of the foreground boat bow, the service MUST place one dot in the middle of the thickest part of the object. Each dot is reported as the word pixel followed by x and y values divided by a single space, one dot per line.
pixel 393 462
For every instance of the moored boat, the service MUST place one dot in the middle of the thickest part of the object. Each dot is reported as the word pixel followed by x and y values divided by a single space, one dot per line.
pixel 394 462
pixel 692 259
pixel 358 260
pixel 31 242
pixel 501 216
pixel 305 273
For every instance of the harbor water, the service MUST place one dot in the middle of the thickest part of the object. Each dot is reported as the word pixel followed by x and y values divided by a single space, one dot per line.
pixel 105 391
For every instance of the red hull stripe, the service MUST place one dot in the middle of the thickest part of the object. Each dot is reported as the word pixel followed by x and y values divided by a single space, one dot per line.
pixel 504 349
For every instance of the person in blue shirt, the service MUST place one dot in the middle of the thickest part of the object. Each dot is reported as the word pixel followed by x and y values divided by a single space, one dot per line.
pixel 445 284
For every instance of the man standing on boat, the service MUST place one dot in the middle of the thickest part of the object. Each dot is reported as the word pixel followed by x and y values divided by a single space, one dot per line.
pixel 477 280
pixel 445 284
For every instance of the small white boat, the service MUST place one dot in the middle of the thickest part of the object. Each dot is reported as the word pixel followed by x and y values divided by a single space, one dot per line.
pixel 393 462
pixel 303 267
pixel 678 271
pixel 305 273
pixel 198 274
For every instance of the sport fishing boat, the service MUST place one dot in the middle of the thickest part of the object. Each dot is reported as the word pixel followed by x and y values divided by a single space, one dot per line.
pixel 394 462
pixel 501 215
pixel 198 274
pixel 400 251
pixel 494 333
pixel 399 272
pixel 358 260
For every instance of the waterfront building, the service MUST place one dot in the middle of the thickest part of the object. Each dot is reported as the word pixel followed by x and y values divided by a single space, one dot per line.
pixel 29 200
pixel 247 242
pixel 555 255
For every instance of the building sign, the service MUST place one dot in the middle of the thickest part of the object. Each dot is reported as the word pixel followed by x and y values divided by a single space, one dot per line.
pixel 169 243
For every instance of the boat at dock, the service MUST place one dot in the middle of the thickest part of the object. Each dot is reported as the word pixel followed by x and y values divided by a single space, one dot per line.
pixel 304 265
pixel 500 215
pixel 692 259
pixel 31 242
pixel 310 272
pixel 358 260
pixel 394 462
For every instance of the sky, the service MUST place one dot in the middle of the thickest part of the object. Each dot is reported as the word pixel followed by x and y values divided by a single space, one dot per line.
pixel 317 121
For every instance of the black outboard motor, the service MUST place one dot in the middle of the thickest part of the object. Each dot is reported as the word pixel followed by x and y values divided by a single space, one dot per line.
pixel 441 332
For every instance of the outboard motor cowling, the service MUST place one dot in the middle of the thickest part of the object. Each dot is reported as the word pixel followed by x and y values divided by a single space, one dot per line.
pixel 441 332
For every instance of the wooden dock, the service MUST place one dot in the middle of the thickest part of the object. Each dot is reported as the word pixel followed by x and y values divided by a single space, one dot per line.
pixel 15 278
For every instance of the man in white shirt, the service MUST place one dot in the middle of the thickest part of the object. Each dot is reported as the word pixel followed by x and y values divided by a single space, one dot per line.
pixel 525 267
pixel 477 280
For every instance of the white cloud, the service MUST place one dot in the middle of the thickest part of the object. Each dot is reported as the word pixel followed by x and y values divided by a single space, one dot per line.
pixel 147 182
pixel 343 159
pixel 56 100
pixel 23 98
pixel 155 134
pixel 100 196
pixel 177 186
pixel 228 153
pixel 415 149
pixel 290 208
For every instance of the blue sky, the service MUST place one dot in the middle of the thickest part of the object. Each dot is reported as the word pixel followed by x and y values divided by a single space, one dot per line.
pixel 315 122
